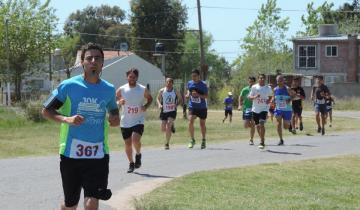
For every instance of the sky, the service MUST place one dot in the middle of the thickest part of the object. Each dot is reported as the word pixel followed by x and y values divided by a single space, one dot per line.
pixel 226 24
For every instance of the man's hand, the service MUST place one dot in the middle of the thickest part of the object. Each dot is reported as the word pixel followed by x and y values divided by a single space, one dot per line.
pixel 74 120
pixel 114 120
pixel 121 102
pixel 239 107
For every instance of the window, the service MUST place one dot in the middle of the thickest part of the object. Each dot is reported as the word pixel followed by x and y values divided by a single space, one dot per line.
pixel 331 51
pixel 307 56
pixel 334 79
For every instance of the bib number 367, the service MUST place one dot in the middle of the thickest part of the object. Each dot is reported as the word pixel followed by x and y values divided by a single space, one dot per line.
pixel 86 150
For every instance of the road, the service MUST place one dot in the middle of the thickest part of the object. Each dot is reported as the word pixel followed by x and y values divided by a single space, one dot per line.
pixel 34 182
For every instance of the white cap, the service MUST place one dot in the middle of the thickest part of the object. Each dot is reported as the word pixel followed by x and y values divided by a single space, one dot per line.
pixel 230 93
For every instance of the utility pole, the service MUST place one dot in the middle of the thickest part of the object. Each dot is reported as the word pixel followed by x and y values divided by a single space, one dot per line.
pixel 8 62
pixel 203 66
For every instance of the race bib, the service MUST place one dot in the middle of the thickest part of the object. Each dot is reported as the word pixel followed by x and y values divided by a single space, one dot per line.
pixel 195 100
pixel 261 101
pixel 320 101
pixel 169 107
pixel 282 104
pixel 86 150
pixel 132 110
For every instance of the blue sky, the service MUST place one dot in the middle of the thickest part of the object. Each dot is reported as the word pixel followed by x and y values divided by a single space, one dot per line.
pixel 222 23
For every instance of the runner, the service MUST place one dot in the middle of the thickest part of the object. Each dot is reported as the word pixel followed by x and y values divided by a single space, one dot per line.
pixel 197 94
pixel 283 110
pixel 261 95
pixel 228 102
pixel 82 102
pixel 272 105
pixel 131 98
pixel 245 105
pixel 297 105
pixel 329 103
pixel 319 96
pixel 168 99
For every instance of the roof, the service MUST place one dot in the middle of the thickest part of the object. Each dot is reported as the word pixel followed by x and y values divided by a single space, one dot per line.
pixel 324 38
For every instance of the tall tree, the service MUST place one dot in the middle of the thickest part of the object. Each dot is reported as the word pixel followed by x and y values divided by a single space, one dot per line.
pixel 30 26
pixel 265 45
pixel 219 68
pixel 163 20
pixel 347 17
pixel 103 25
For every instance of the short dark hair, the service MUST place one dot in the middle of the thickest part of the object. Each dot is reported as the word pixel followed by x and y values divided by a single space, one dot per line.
pixel 261 75
pixel 133 70
pixel 320 77
pixel 252 78
pixel 195 71
pixel 296 78
pixel 91 46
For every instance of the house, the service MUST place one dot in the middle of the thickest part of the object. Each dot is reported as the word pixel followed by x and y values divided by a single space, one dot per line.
pixel 116 64
pixel 333 55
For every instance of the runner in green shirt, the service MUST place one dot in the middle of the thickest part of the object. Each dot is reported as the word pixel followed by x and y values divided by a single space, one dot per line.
pixel 245 105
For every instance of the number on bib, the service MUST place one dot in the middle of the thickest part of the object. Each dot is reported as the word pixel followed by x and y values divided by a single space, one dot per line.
pixel 86 150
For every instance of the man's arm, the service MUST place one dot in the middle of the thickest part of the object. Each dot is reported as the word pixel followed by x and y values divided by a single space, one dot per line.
pixel 52 114
pixel 179 98
pixel 149 99
pixel 158 98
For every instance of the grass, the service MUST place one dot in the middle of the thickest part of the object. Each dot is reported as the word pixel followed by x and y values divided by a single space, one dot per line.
pixel 320 184
pixel 20 137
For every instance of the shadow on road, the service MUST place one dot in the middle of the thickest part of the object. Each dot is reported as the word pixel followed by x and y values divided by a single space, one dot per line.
pixel 218 148
pixel 284 153
pixel 302 145
pixel 152 175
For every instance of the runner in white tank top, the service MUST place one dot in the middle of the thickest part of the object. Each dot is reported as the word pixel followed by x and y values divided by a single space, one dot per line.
pixel 168 99
pixel 131 113
pixel 131 97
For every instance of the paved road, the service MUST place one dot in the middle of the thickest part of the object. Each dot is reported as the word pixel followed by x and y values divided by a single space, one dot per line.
pixel 34 183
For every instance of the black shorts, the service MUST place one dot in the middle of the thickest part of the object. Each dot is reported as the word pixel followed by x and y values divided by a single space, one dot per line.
pixel 127 132
pixel 228 112
pixel 201 113
pixel 166 115
pixel 258 117
pixel 297 109
pixel 89 174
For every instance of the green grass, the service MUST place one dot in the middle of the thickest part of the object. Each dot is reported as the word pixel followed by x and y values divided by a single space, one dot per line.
pixel 321 184
pixel 21 137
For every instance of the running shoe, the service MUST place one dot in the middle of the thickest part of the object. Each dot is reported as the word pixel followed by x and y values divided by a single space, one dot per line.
pixel 131 168
pixel 323 131
pixel 281 142
pixel 290 128
pixel 138 160
pixel 261 145
pixel 330 125
pixel 173 128
pixel 301 126
pixel 203 144
pixel 319 129
pixel 293 131
pixel 167 146
pixel 191 144
pixel 251 142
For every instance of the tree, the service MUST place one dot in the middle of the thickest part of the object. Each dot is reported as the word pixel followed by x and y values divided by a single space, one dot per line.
pixel 163 20
pixel 265 46
pixel 102 25
pixel 347 17
pixel 69 46
pixel 219 68
pixel 30 26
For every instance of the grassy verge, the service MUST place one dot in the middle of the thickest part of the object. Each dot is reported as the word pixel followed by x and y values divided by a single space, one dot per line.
pixel 313 184
pixel 21 137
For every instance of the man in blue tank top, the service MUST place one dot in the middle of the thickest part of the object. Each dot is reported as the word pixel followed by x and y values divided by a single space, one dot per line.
pixel 197 93
pixel 283 108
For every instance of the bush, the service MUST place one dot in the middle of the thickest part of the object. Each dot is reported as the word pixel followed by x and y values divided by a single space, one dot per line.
pixel 33 111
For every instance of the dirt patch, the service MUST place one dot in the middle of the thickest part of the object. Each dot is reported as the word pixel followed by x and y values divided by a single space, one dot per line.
pixel 123 199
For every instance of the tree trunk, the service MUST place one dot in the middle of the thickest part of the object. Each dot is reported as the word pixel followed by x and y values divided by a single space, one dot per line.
pixel 17 88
